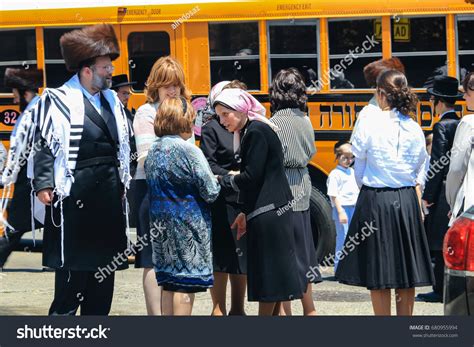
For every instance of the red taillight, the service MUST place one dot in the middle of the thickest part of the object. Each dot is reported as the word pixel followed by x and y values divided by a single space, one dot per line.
pixel 458 247
pixel 470 248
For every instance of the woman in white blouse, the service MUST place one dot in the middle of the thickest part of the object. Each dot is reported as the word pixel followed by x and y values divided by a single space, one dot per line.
pixel 386 244
pixel 460 179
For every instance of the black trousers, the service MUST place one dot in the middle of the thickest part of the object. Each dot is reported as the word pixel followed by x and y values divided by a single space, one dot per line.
pixel 74 289
pixel 438 261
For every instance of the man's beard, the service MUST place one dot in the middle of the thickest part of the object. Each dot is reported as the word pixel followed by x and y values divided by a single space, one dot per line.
pixel 100 83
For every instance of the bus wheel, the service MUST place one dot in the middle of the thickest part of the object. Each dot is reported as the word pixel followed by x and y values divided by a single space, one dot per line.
pixel 324 230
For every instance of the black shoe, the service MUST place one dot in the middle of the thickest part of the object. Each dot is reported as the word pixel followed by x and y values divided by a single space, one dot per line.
pixel 7 246
pixel 429 297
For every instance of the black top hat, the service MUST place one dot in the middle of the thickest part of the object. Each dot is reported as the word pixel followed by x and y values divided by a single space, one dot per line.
pixel 121 81
pixel 445 87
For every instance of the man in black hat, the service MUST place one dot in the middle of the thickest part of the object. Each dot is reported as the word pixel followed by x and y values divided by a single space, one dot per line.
pixel 122 86
pixel 444 94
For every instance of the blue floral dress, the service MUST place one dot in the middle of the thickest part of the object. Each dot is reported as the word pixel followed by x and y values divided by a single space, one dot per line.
pixel 181 186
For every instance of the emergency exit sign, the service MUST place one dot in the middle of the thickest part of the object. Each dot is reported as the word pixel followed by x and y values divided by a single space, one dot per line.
pixel 400 29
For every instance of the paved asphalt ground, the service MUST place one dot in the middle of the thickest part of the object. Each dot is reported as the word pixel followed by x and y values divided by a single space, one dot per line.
pixel 25 289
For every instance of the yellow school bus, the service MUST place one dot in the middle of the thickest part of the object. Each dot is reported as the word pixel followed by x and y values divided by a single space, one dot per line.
pixel 329 41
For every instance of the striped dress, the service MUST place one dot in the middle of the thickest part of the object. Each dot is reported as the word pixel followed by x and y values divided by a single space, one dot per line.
pixel 297 138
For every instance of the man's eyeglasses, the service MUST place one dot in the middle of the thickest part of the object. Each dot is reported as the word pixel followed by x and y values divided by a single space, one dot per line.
pixel 347 158
pixel 108 68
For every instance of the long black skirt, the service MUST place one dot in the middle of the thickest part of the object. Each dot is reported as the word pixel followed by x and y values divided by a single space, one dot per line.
pixel 306 258
pixel 272 271
pixel 386 245
pixel 229 254
pixel 143 257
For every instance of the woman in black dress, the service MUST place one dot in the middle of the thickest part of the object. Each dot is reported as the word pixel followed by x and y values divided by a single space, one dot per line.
pixel 262 187
pixel 229 254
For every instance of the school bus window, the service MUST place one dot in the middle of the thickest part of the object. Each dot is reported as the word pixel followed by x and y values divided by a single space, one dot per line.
pixel 294 44
pixel 465 45
pixel 420 43
pixel 56 72
pixel 144 48
pixel 18 50
pixel 352 45
pixel 234 53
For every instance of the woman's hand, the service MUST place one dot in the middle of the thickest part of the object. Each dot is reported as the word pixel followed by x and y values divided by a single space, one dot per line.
pixel 426 204
pixel 241 224
pixel 45 196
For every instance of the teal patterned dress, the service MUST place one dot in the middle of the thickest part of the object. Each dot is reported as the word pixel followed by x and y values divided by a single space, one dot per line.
pixel 181 187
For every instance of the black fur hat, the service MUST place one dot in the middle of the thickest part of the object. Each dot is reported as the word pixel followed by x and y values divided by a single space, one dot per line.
pixel 87 43
pixel 29 79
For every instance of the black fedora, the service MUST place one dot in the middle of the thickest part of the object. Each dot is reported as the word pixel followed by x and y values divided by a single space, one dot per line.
pixel 121 81
pixel 445 87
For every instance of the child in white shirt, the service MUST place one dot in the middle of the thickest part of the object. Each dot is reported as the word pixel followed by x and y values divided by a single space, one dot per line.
pixel 343 192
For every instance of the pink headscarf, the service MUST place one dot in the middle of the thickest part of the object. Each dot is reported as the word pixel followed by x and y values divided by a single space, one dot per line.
pixel 241 101
pixel 216 90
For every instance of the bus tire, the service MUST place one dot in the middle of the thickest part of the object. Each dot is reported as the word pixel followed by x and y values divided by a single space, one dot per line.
pixel 324 230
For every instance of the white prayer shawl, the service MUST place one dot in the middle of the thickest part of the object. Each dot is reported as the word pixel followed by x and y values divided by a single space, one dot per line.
pixel 19 154
pixel 20 149
pixel 62 124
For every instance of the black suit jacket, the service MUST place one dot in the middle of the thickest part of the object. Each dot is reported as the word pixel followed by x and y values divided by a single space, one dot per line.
pixel 94 222
pixel 217 146
pixel 443 137
pixel 262 180
pixel 437 220
pixel 97 141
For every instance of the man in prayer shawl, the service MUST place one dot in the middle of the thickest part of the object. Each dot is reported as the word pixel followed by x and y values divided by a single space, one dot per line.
pixel 81 175
pixel 24 84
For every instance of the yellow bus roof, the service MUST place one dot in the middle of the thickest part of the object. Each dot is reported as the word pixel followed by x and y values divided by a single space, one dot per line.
pixel 29 13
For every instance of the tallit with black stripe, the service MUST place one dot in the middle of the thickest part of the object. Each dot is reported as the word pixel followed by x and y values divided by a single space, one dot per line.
pixel 60 118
